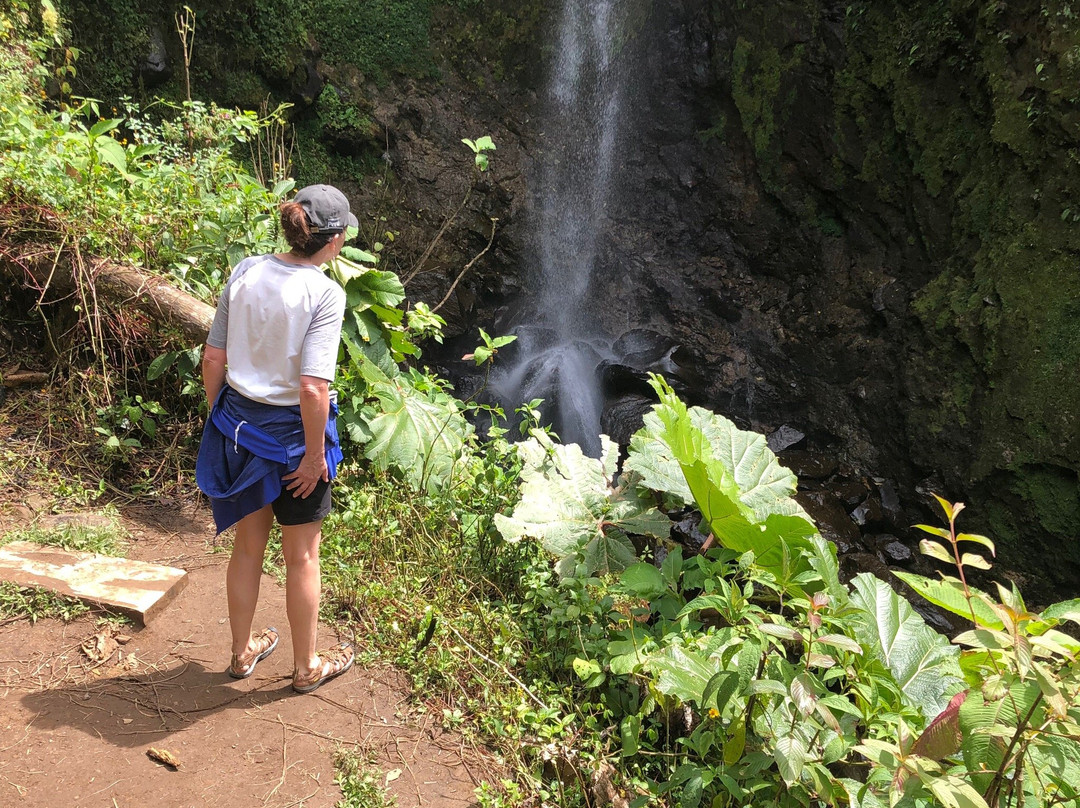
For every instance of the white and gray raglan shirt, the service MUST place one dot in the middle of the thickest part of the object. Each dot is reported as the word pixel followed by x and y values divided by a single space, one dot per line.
pixel 277 322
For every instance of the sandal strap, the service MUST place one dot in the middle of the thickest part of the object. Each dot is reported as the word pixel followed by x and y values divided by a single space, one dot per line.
pixel 332 661
pixel 337 656
pixel 241 663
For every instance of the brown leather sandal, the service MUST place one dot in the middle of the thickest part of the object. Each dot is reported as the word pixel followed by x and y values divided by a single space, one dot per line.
pixel 243 665
pixel 332 662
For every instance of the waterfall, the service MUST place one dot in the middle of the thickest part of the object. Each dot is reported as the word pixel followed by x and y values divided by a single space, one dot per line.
pixel 560 339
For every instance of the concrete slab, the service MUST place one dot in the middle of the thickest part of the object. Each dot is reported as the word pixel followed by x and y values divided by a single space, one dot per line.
pixel 136 588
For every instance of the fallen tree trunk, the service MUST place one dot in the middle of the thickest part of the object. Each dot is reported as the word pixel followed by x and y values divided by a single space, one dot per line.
pixel 23 377
pixel 49 270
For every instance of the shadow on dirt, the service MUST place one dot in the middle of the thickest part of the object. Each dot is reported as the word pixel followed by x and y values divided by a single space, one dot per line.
pixel 134 710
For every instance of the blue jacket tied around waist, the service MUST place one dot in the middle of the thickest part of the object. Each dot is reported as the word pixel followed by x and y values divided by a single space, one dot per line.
pixel 246 448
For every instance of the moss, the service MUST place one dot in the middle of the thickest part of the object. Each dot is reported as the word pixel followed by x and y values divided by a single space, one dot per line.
pixel 377 36
pixel 1031 513
pixel 829 226
pixel 717 129
pixel 503 38
pixel 755 88
pixel 264 41
pixel 113 36
pixel 958 119
pixel 338 116
pixel 322 159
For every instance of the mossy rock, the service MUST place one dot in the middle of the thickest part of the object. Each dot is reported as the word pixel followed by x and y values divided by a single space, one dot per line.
pixel 960 121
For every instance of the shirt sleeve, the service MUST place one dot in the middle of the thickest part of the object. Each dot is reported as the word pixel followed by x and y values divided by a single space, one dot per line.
pixel 219 331
pixel 319 358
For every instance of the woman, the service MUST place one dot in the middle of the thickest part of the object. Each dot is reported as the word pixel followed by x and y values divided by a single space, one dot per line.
pixel 269 448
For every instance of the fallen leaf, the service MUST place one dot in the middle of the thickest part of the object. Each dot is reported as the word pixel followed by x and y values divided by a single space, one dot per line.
pixel 163 756
pixel 99 647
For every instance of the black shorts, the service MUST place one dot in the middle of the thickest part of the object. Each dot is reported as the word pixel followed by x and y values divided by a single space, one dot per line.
pixel 291 510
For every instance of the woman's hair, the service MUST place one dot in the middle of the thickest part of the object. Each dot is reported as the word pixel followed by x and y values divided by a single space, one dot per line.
pixel 298 232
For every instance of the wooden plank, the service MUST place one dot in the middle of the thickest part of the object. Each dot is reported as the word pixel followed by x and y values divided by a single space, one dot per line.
pixel 133 587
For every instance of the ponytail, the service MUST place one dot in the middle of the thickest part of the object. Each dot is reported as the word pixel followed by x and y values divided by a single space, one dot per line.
pixel 298 232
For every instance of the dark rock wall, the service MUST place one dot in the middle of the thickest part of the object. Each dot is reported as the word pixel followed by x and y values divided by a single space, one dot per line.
pixel 932 146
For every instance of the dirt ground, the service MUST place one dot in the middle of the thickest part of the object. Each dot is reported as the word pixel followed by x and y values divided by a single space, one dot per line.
pixel 76 732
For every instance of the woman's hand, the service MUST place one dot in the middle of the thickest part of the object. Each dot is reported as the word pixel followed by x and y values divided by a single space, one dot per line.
pixel 311 470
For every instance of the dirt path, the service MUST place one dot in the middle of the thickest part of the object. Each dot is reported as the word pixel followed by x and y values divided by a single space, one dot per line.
pixel 75 733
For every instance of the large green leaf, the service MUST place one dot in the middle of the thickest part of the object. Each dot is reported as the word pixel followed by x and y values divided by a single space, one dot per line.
pixel 365 337
pixel 983 748
pixel 922 662
pixel 760 482
pixel 364 286
pixel 1065 610
pixel 419 434
pixel 683 674
pixel 791 754
pixel 111 152
pixel 953 791
pixel 823 559
pixel 568 503
pixel 732 477
pixel 949 595
pixel 1057 759
pixel 652 460
pixel 861 795
pixel 643 580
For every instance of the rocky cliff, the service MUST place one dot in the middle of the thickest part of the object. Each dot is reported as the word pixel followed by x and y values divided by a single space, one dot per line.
pixel 932 148
pixel 857 219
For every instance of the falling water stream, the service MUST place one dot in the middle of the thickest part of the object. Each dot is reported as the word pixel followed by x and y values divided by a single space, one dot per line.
pixel 560 340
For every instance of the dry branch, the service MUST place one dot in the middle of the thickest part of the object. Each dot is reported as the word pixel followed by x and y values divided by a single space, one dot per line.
pixel 24 378
pixel 39 267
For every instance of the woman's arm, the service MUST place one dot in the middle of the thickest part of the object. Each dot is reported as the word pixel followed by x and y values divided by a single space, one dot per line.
pixel 213 373
pixel 314 412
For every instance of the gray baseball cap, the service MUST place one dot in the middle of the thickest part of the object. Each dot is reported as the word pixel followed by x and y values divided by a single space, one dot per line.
pixel 327 208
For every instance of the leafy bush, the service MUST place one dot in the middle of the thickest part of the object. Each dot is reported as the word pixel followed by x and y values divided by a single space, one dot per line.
pixel 751 675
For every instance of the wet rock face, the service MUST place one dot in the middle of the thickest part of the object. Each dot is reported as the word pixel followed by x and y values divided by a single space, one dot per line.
pixel 702 276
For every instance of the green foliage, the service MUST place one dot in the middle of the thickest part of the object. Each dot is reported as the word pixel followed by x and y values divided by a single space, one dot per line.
pixel 921 661
pixel 745 675
pixel 125 424
pixel 961 114
pixel 337 117
pixel 157 187
pixel 423 323
pixel 480 147
pixel 417 428
pixel 160 194
pixel 568 503
pixel 360 782
pixel 35 604
pixel 404 420
pixel 1019 724
pixel 106 538
pixel 734 479
pixel 372 332
pixel 485 354
pixel 185 362
pixel 376 36
pixel 753 704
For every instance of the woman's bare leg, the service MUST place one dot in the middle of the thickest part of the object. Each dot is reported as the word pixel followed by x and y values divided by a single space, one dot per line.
pixel 245 573
pixel 303 586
